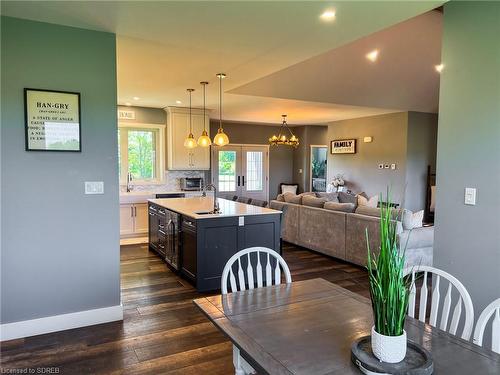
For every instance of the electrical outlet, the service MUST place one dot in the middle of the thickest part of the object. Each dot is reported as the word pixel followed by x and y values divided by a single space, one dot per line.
pixel 241 221
pixel 94 187
pixel 470 196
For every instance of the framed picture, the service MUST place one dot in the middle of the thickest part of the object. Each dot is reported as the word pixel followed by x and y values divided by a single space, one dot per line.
pixel 52 120
pixel 343 146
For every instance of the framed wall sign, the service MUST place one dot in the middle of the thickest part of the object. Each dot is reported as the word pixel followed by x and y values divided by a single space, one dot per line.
pixel 52 120
pixel 343 146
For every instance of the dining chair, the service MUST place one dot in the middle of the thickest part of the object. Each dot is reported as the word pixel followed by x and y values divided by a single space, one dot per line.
pixel 244 200
pixel 259 203
pixel 453 284
pixel 492 309
pixel 268 264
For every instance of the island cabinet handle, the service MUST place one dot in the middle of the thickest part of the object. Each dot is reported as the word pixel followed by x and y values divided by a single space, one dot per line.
pixel 131 211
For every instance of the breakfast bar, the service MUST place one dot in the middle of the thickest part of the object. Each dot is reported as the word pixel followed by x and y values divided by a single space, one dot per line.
pixel 197 242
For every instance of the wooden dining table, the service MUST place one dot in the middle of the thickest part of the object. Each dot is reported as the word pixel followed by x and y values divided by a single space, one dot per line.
pixel 308 327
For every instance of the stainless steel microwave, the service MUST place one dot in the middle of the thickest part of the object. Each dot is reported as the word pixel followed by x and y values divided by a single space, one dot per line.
pixel 191 183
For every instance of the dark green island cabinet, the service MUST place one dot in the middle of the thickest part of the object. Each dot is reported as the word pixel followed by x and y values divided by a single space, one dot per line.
pixel 199 244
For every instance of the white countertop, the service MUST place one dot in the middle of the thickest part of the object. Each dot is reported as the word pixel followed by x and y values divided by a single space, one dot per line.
pixel 191 206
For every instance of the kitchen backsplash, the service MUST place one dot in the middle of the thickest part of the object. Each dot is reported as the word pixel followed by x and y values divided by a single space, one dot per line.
pixel 171 182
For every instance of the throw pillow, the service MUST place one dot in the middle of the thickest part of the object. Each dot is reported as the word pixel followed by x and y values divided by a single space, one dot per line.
pixel 342 207
pixel 371 202
pixel 280 198
pixel 292 198
pixel 344 197
pixel 330 197
pixel 311 201
pixel 412 220
pixel 288 189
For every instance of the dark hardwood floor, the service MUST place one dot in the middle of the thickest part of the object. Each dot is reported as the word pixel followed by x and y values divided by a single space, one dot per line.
pixel 162 331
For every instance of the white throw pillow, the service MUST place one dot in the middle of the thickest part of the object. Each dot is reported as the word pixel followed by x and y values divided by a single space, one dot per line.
pixel 289 189
pixel 371 202
pixel 412 220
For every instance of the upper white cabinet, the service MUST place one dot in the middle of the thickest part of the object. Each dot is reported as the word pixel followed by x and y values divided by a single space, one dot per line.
pixel 178 156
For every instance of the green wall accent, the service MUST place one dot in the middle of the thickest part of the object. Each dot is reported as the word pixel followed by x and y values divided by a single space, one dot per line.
pixel 60 248
pixel 467 238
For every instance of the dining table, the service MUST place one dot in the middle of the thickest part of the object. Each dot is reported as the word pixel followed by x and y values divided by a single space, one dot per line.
pixel 308 327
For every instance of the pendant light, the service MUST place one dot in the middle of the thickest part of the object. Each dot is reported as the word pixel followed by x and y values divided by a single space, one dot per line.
pixel 190 142
pixel 204 140
pixel 281 138
pixel 220 138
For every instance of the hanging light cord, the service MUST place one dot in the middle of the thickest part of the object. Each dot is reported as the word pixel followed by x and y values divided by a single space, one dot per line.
pixel 190 118
pixel 220 101
pixel 204 102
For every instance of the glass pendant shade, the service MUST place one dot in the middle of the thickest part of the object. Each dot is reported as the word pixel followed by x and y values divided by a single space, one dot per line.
pixel 190 142
pixel 221 138
pixel 204 140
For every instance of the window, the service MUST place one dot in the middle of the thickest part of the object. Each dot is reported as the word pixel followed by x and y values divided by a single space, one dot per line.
pixel 140 150
pixel 254 171
pixel 227 170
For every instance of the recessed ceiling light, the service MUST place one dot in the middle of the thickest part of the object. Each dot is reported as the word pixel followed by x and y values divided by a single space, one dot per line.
pixel 439 68
pixel 328 15
pixel 128 104
pixel 373 55
pixel 178 102
pixel 136 98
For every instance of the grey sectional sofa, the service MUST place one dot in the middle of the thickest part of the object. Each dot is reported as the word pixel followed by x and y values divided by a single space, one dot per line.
pixel 342 235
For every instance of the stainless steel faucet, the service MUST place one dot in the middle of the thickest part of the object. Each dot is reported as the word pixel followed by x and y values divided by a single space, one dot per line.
pixel 129 182
pixel 216 209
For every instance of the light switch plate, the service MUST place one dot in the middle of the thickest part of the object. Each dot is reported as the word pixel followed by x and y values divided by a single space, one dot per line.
pixel 393 166
pixel 94 187
pixel 470 196
pixel 241 221
pixel 300 170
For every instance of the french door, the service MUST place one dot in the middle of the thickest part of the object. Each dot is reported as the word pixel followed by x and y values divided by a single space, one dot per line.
pixel 241 170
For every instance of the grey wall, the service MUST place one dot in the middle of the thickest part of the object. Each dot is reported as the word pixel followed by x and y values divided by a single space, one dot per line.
pixel 145 115
pixel 280 158
pixel 360 170
pixel 308 135
pixel 60 248
pixel 467 238
pixel 421 152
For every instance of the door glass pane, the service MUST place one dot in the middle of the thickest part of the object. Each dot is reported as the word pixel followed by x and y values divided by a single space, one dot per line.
pixel 141 154
pixel 254 171
pixel 318 168
pixel 227 171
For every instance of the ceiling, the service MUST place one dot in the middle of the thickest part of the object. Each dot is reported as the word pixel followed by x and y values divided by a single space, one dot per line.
pixel 165 47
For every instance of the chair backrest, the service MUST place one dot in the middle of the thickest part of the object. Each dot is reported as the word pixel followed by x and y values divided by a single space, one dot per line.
pixel 453 283
pixel 234 198
pixel 244 200
pixel 490 310
pixel 258 202
pixel 268 264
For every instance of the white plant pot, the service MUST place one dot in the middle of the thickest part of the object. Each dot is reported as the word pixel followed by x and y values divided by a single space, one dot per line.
pixel 389 349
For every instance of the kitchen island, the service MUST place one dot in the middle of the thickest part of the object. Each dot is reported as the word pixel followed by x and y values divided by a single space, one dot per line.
pixel 197 243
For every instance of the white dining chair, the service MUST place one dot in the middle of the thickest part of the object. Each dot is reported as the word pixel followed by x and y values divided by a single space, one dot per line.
pixel 493 309
pixel 453 284
pixel 268 264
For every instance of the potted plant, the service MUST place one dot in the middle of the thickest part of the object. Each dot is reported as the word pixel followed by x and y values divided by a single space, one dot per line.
pixel 389 291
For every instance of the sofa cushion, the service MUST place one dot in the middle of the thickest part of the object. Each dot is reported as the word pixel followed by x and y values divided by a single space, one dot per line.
pixel 308 193
pixel 367 210
pixel 292 198
pixel 308 200
pixel 289 189
pixel 280 198
pixel 347 198
pixel 342 207
pixel 330 197
pixel 369 202
pixel 412 220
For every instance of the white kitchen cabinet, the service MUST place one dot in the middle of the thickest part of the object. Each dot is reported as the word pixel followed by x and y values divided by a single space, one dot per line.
pixel 178 156
pixel 133 219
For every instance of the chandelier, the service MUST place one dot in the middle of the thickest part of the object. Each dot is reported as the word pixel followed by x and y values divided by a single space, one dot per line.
pixel 281 138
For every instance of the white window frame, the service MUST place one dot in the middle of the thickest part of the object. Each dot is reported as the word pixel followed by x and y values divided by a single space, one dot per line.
pixel 160 152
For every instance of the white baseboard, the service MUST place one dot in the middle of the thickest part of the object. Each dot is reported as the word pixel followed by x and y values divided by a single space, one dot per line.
pixel 25 328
